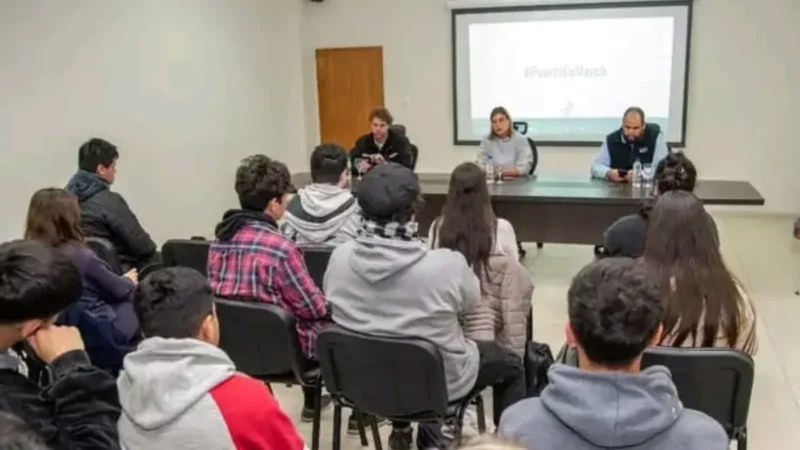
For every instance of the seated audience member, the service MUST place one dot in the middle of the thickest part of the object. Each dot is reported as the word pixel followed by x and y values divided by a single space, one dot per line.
pixel 178 390
pixel 53 219
pixel 251 260
pixel 15 435
pixel 607 402
pixel 636 140
pixel 105 214
pixel 505 146
pixel 387 282
pixel 77 407
pixel 324 212
pixel 706 306
pixel 627 235
pixel 380 145
pixel 468 226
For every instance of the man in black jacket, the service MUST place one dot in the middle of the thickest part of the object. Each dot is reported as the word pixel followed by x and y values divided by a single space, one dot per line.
pixel 380 145
pixel 77 406
pixel 105 214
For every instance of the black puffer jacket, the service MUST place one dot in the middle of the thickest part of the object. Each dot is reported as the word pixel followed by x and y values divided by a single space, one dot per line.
pixel 105 214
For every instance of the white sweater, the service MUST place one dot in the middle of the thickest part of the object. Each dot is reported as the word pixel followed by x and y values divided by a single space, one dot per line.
pixel 505 239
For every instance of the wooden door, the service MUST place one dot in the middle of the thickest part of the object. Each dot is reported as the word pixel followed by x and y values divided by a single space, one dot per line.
pixel 349 86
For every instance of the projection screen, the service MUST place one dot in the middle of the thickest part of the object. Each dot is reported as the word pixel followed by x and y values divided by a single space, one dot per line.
pixel 570 71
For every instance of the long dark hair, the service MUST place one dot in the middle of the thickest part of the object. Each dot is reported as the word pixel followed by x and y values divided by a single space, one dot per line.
pixel 54 218
pixel 682 253
pixel 503 112
pixel 467 224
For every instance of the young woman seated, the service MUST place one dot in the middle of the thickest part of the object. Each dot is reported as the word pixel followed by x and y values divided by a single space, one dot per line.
pixel 706 305
pixel 468 226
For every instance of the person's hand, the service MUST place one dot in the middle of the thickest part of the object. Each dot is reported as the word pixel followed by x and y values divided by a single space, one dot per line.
pixel 51 342
pixel 613 175
pixel 378 159
pixel 132 275
pixel 364 165
pixel 629 176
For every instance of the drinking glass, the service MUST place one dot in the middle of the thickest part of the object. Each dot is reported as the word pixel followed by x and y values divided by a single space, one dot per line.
pixel 647 175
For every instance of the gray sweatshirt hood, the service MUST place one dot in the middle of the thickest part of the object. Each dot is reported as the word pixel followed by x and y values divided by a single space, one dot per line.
pixel 164 378
pixel 613 409
pixel 375 258
pixel 320 212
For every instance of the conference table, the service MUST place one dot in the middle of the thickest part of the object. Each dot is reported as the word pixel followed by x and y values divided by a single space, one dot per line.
pixel 566 209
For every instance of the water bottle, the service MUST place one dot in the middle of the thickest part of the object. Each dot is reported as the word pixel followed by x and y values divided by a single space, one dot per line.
pixel 489 169
pixel 636 176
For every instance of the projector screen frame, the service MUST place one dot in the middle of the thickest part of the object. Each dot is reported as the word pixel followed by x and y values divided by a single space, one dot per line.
pixel 455 12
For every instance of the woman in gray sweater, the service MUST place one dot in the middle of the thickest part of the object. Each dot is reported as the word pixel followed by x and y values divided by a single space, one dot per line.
pixel 505 146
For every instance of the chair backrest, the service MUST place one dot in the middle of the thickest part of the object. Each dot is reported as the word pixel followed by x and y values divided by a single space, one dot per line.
pixel 316 258
pixel 260 338
pixel 192 253
pixel 388 377
pixel 716 381
pixel 414 156
pixel 535 153
pixel 105 250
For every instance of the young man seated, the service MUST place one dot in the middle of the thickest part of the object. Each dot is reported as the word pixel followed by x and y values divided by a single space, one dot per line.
pixel 251 260
pixel 77 407
pixel 178 390
pixel 324 212
pixel 105 214
pixel 615 313
pixel 387 282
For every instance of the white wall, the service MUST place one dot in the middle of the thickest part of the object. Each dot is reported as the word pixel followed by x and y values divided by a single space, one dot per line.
pixel 744 74
pixel 185 88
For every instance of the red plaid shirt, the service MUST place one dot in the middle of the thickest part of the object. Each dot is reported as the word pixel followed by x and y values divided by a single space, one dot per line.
pixel 260 263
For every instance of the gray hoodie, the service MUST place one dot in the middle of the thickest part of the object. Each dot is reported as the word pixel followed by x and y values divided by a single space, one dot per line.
pixel 164 393
pixel 583 410
pixel 322 214
pixel 396 288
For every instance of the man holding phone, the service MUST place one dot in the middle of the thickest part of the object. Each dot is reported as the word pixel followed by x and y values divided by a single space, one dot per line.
pixel 380 145
pixel 635 140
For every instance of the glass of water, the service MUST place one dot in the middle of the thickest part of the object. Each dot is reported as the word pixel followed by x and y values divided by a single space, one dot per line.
pixel 647 175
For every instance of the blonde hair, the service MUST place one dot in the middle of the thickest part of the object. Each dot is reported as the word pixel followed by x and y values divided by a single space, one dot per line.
pixel 487 442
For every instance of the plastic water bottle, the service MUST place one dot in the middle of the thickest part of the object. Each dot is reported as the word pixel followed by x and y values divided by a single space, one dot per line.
pixel 636 177
pixel 489 169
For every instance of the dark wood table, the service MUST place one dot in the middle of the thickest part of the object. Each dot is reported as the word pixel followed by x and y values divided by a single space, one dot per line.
pixel 567 209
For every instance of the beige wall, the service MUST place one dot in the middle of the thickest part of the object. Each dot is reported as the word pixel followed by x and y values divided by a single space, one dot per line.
pixel 744 70
pixel 185 88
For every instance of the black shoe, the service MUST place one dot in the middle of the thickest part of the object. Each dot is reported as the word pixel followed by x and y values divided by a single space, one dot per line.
pixel 352 423
pixel 401 438
pixel 308 413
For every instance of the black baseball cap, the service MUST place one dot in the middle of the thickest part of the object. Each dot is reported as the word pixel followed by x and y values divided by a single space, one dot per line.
pixel 386 190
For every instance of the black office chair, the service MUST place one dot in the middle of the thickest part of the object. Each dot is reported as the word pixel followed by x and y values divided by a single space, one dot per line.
pixel 399 379
pixel 261 339
pixel 522 128
pixel 316 258
pixel 192 253
pixel 716 381
pixel 105 250
pixel 414 156
pixel 401 130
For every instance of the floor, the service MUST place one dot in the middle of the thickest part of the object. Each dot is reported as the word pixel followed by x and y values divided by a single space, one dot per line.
pixel 762 254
